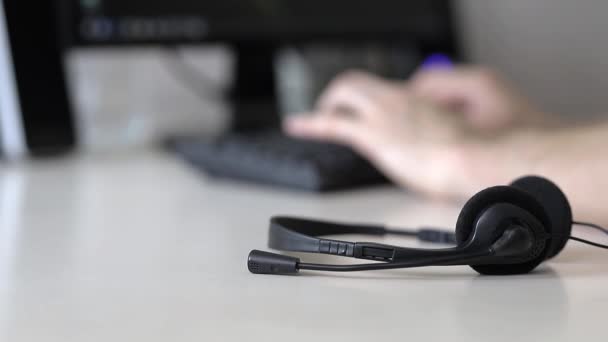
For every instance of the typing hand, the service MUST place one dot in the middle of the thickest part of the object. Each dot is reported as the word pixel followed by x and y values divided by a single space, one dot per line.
pixel 488 101
pixel 411 131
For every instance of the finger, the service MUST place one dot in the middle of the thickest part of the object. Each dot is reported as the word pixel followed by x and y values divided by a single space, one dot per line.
pixel 325 127
pixel 353 92
pixel 346 98
pixel 452 87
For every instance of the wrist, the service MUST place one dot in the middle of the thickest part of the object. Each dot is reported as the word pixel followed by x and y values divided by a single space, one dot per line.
pixel 499 161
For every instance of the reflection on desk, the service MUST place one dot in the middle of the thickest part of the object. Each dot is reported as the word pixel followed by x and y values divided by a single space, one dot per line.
pixel 140 248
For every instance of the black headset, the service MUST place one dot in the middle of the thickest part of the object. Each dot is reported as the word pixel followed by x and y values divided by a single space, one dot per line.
pixel 501 230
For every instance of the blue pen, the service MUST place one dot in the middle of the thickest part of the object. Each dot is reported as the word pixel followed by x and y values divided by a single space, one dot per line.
pixel 437 61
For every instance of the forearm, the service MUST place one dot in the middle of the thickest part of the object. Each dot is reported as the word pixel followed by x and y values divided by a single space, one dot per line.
pixel 576 159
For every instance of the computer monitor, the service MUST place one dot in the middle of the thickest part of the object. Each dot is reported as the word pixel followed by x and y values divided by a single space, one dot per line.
pixel 273 21
pixel 255 29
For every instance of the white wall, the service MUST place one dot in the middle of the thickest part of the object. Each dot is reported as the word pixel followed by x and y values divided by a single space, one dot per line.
pixel 555 50
pixel 130 97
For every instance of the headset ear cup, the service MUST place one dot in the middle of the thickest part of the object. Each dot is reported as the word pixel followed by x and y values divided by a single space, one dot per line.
pixel 556 205
pixel 488 197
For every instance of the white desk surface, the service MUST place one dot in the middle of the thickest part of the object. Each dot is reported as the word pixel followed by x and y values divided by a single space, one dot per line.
pixel 139 247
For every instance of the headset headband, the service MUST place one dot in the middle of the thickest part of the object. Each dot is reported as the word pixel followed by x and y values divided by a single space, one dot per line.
pixel 303 235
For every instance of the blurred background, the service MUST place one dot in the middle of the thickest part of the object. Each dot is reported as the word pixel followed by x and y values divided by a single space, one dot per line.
pixel 554 50
pixel 110 75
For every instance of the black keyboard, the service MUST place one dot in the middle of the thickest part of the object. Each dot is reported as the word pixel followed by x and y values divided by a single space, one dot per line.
pixel 273 158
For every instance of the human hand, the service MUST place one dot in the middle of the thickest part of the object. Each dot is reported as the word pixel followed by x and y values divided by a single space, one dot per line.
pixel 482 95
pixel 416 142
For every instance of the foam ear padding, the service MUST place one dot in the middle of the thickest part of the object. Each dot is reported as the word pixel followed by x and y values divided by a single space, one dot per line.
pixel 556 205
pixel 488 197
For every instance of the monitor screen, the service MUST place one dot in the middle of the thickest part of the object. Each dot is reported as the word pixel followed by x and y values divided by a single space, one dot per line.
pixel 161 21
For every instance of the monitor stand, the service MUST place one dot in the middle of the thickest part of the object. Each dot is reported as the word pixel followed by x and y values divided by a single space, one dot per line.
pixel 254 93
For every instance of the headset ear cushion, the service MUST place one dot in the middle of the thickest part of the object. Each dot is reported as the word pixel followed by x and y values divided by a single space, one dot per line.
pixel 488 197
pixel 556 205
